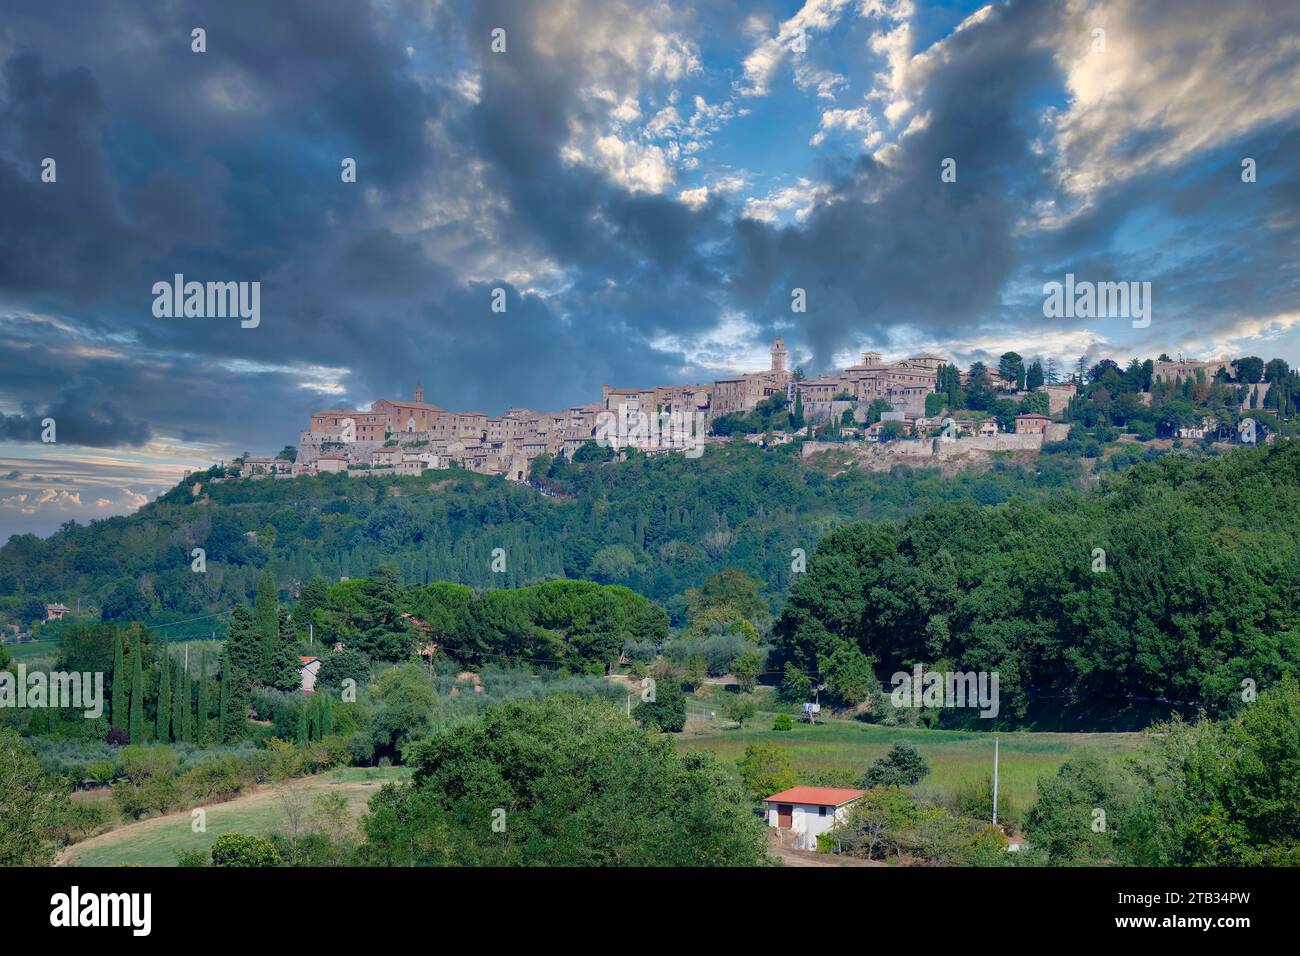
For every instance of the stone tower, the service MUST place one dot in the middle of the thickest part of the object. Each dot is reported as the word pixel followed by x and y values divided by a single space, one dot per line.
pixel 419 394
pixel 778 355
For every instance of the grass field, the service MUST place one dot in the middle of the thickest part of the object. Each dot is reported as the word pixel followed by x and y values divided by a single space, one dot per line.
pixel 956 757
pixel 155 842
pixel 26 652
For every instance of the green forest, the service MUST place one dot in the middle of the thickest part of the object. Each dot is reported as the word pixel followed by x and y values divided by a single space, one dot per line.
pixel 1176 582
pixel 656 525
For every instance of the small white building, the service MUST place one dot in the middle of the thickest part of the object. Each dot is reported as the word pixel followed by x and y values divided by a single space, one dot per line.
pixel 307 671
pixel 808 811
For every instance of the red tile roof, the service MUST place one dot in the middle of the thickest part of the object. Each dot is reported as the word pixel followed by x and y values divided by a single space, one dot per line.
pixel 818 796
pixel 308 660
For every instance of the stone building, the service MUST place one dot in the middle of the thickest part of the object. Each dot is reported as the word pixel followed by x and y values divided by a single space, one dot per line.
pixel 902 384
pixel 407 437
pixel 739 394
pixel 1175 372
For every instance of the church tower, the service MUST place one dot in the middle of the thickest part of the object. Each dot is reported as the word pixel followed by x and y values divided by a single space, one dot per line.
pixel 778 355
pixel 419 394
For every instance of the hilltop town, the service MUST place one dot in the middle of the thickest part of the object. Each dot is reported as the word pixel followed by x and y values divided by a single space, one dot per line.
pixel 408 437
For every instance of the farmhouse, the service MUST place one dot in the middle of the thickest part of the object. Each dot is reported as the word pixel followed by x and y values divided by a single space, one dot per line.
pixel 1032 424
pixel 808 811
pixel 54 612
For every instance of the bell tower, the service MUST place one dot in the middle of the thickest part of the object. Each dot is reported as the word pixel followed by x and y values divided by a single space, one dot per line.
pixel 778 355
pixel 419 394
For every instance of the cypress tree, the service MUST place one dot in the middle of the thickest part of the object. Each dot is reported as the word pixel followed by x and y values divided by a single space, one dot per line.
pixel 162 728
pixel 136 729
pixel 327 715
pixel 178 704
pixel 187 704
pixel 234 721
pixel 223 705
pixel 304 725
pixel 267 618
pixel 201 716
pixel 120 718
pixel 282 666
pixel 243 649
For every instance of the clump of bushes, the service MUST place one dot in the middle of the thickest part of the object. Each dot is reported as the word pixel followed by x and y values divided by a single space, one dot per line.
pixel 242 849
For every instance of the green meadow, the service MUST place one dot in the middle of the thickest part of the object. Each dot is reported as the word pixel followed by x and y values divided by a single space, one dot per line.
pixel 956 757
pixel 156 841
pixel 32 650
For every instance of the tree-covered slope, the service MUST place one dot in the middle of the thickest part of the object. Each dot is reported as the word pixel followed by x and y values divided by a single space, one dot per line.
pixel 657 525
pixel 1177 581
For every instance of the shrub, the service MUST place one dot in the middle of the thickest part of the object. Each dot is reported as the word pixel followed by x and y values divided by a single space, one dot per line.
pixel 643 652
pixel 101 771
pixel 667 712
pixel 765 769
pixel 843 778
pixel 782 722
pixel 242 849
pixel 974 799
pixel 717 651
pixel 903 766
pixel 740 708
pixel 84 818
pixel 342 665
pixel 218 778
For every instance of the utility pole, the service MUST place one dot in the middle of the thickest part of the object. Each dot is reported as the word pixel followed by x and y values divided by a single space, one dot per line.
pixel 995 781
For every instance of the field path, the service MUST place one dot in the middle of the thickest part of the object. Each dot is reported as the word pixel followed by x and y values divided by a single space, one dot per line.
pixel 789 856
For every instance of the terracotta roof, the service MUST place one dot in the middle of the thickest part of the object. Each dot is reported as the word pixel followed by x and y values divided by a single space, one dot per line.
pixel 308 660
pixel 818 796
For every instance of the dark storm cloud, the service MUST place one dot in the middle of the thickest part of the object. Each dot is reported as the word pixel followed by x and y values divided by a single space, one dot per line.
pixel 83 414
pixel 893 244
pixel 225 166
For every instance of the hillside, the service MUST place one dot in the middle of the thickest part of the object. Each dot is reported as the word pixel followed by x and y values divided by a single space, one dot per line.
pixel 1176 583
pixel 658 526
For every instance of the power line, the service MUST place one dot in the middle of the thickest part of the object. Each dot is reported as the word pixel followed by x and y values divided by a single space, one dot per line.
pixel 159 627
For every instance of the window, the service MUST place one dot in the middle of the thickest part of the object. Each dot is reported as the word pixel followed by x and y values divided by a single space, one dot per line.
pixel 821 811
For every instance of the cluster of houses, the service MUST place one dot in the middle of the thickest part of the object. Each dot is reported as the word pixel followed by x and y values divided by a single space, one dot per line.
pixel 401 437
pixel 409 437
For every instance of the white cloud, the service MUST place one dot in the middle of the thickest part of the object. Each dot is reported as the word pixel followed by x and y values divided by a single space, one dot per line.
pixel 855 120
pixel 1179 77
pixel 766 58
pixel 1240 335
pixel 799 199
pixel 639 167
pixel 695 198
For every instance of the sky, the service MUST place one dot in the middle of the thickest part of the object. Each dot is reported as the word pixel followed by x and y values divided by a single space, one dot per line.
pixel 647 183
